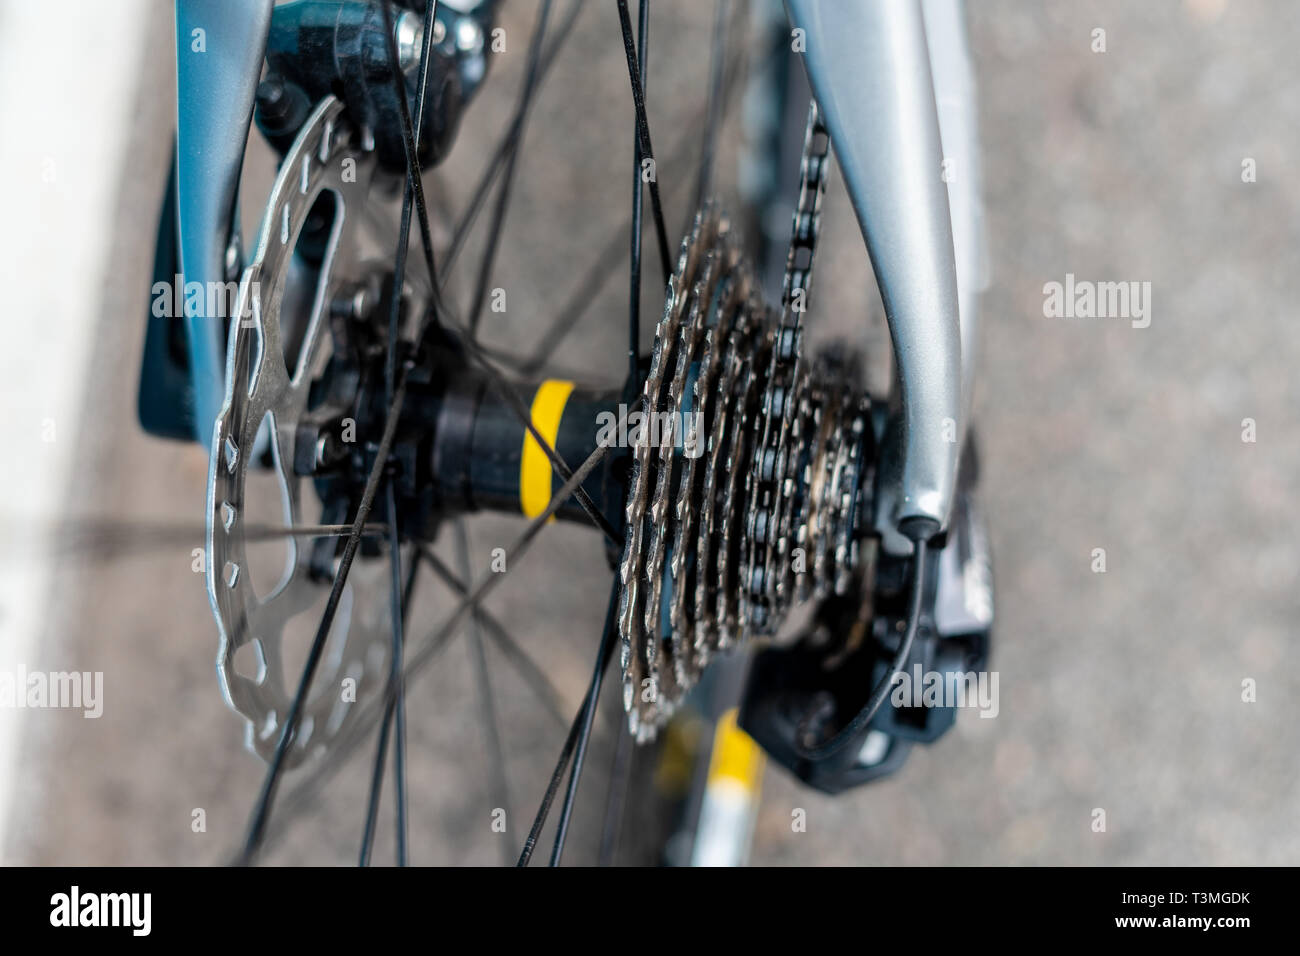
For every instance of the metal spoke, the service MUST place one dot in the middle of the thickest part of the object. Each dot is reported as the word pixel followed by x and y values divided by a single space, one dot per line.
pixel 491 580
pixel 262 808
pixel 418 661
pixel 524 664
pixel 414 182
pixel 412 178
pixel 580 721
pixel 381 753
pixel 376 790
pixel 588 717
pixel 414 187
pixel 586 290
pixel 642 149
pixel 102 540
pixel 717 58
pixel 503 199
pixel 479 196
pixel 507 180
pixel 396 705
pixel 553 787
pixel 500 787
pixel 620 776
pixel 558 464
pixel 643 131
pixel 501 171
pixel 397 687
pixel 633 385
pixel 439 307
pixel 397 391
pixel 257 532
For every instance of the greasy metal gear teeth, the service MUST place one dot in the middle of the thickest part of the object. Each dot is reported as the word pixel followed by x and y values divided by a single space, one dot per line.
pixel 748 498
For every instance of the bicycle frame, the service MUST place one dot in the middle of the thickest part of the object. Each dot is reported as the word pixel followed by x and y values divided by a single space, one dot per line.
pixel 894 81
pixel 214 108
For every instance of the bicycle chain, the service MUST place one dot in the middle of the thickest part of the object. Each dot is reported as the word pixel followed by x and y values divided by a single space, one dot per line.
pixel 783 464
pixel 768 483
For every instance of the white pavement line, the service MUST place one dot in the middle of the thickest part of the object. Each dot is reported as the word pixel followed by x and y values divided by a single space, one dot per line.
pixel 67 86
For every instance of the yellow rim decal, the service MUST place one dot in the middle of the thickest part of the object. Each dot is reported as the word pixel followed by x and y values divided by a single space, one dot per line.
pixel 735 755
pixel 534 466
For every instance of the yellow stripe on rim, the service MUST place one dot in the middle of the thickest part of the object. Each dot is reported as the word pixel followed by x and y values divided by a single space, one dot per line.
pixel 534 466
pixel 735 755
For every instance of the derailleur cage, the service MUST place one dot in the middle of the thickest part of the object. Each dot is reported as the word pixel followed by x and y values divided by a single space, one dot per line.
pixel 799 694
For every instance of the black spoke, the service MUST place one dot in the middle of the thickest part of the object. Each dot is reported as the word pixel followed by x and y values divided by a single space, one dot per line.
pixel 376 790
pixel 495 164
pixel 643 132
pixel 400 601
pixel 102 540
pixel 503 201
pixel 381 755
pixel 265 800
pixel 633 385
pixel 419 660
pixel 397 689
pixel 387 712
pixel 413 190
pixel 263 532
pixel 620 777
pixel 397 388
pixel 716 108
pixel 528 669
pixel 575 307
pixel 439 307
pixel 552 788
pixel 586 290
pixel 414 182
pixel 525 539
pixel 641 150
pixel 581 727
pixel 507 180
pixel 500 787
pixel 588 718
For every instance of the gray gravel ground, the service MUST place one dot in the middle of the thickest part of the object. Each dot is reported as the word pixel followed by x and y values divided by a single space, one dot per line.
pixel 1120 691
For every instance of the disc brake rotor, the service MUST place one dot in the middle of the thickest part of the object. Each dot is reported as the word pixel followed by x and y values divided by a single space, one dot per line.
pixel 329 156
